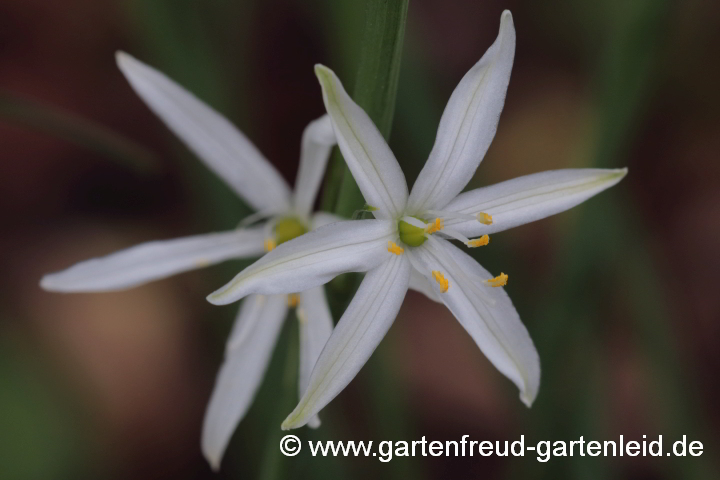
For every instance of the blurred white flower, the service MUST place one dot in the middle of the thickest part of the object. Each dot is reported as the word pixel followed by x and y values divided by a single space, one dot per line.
pixel 406 245
pixel 284 214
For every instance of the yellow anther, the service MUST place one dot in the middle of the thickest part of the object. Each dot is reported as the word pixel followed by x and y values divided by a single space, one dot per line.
pixel 479 242
pixel 441 280
pixel 499 281
pixel 202 262
pixel 394 248
pixel 270 244
pixel 436 226
pixel 484 218
pixel 293 300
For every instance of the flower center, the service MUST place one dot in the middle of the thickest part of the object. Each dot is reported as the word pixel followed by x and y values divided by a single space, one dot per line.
pixel 288 228
pixel 410 234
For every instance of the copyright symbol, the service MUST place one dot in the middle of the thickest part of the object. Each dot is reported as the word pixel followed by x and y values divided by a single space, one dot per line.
pixel 290 445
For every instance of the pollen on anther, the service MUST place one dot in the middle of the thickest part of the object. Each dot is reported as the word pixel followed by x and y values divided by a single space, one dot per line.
pixel 436 226
pixel 484 218
pixel 270 244
pixel 293 300
pixel 202 263
pixel 479 242
pixel 394 248
pixel 443 282
pixel 499 281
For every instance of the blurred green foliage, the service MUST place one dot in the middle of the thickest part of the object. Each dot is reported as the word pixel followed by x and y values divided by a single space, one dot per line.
pixel 42 435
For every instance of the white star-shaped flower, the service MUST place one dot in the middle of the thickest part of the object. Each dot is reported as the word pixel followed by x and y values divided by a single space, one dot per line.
pixel 406 245
pixel 286 214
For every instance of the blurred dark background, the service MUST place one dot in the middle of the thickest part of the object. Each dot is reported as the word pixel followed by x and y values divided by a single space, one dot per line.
pixel 620 295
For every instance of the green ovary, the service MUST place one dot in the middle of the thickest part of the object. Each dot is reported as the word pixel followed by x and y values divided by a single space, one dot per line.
pixel 410 234
pixel 288 228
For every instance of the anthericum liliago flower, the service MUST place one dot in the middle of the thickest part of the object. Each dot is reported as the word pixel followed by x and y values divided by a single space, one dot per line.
pixel 228 153
pixel 406 245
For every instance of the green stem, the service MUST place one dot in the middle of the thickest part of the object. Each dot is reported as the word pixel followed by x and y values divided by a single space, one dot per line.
pixel 375 91
pixel 273 464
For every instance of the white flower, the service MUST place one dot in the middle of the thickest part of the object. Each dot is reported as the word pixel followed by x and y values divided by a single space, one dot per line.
pixel 406 245
pixel 227 152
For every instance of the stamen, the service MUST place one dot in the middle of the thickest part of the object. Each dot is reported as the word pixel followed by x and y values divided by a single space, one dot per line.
pixel 415 222
pixel 202 262
pixel 301 315
pixel 479 242
pixel 250 219
pixel 293 300
pixel 455 215
pixel 435 226
pixel 269 234
pixel 499 281
pixel 456 235
pixel 462 275
pixel 484 218
pixel 441 280
pixel 394 248
pixel 357 214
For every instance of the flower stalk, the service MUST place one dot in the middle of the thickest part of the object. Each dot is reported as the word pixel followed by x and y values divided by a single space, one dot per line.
pixel 375 91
